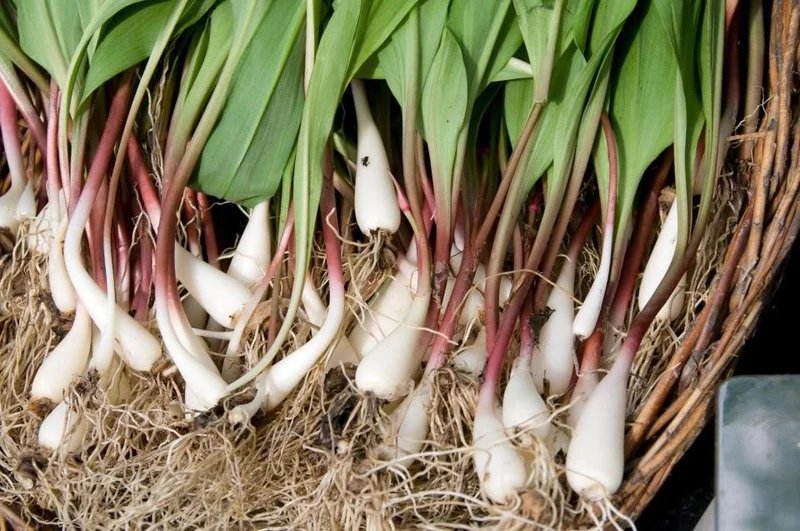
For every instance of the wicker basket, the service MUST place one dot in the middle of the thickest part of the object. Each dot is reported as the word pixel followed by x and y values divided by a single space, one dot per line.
pixel 767 164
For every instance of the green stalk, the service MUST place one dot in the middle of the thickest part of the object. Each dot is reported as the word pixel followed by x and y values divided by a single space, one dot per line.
pixel 518 191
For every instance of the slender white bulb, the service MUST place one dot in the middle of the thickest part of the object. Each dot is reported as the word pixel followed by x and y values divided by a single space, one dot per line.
pixel 63 430
pixel 343 351
pixel 472 359
pixel 376 207
pixel 278 381
pixel 656 269
pixel 387 310
pixel 553 359
pixel 253 253
pixel 523 406
pixel 409 425
pixel 586 318
pixel 61 289
pixel 595 457
pixel 221 295
pixel 135 343
pixel 65 362
pixel 8 208
pixel 388 369
pixel 500 468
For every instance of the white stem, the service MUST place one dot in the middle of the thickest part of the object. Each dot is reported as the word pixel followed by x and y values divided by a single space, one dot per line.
pixel 587 316
pixel 213 334
pixel 523 406
pixel 193 362
pixel 61 289
pixel 387 371
pixel 553 359
pixel 221 295
pixel 500 468
pixel 63 429
pixel 385 312
pixel 472 359
pixel 343 351
pixel 135 344
pixel 595 457
pixel 26 206
pixel 65 362
pixel 409 425
pixel 8 207
pixel 276 382
pixel 376 205
pixel 657 266
pixel 253 253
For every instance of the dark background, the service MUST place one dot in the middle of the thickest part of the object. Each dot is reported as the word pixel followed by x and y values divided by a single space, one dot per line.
pixel 685 495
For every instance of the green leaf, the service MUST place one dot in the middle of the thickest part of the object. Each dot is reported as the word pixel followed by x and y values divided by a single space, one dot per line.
pixel 513 70
pixel 444 111
pixel 642 94
pixel 478 26
pixel 129 35
pixel 393 56
pixel 127 38
pixel 383 18
pixel 255 134
pixel 609 15
pixel 39 38
pixel 582 24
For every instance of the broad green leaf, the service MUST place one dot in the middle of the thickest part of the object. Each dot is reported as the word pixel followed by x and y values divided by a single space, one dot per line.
pixel 581 25
pixel 67 22
pixel 39 38
pixel 6 24
pixel 534 18
pixel 510 41
pixel 383 18
pixel 574 107
pixel 444 110
pixel 607 19
pixel 486 36
pixel 393 57
pixel 642 94
pixel 10 49
pixel 513 70
pixel 247 151
pixel 517 99
pixel 128 38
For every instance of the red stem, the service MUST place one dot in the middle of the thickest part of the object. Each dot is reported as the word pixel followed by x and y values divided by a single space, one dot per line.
pixel 100 162
pixel 582 232
pixel 147 190
pixel 94 231
pixel 474 249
